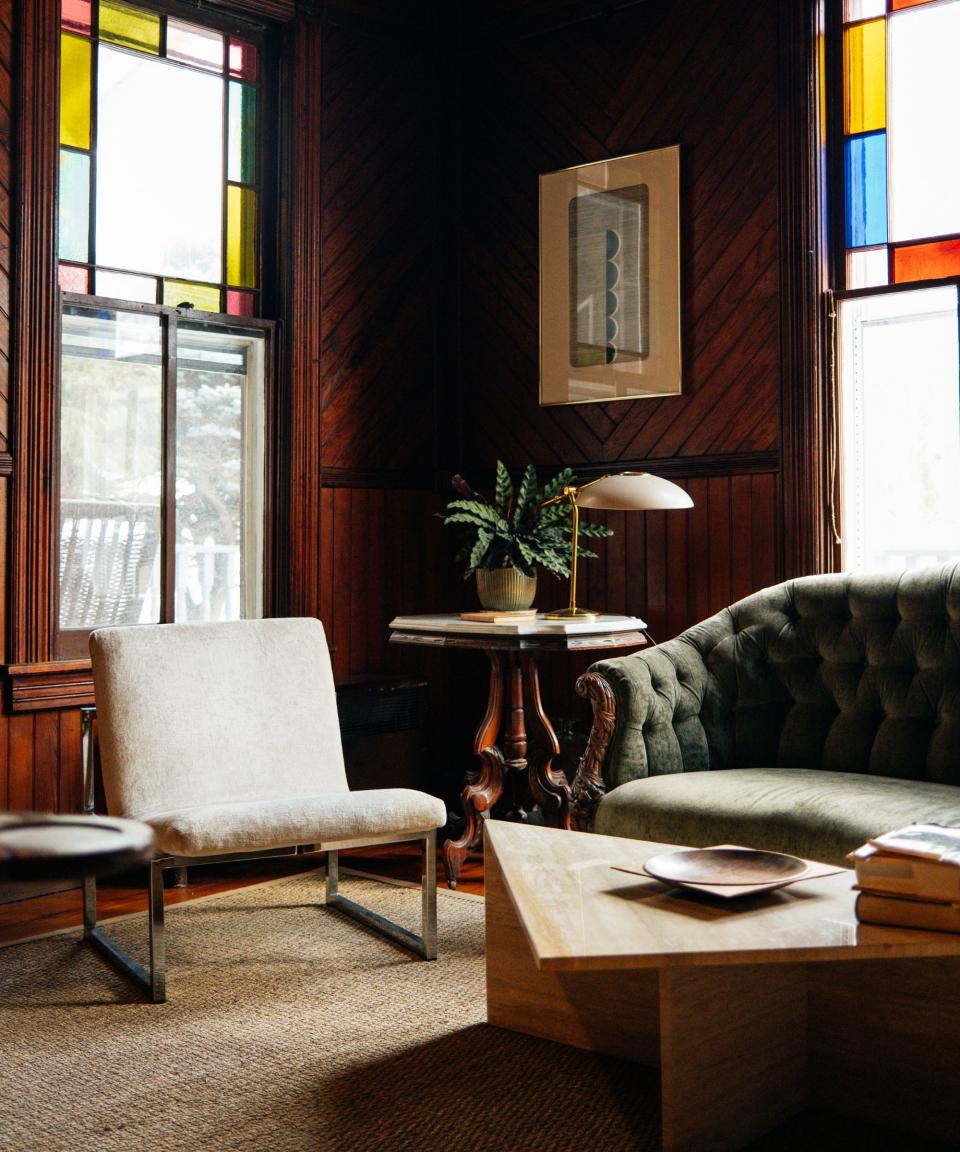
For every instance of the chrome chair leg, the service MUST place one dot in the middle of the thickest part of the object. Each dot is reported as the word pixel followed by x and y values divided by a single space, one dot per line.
pixel 424 945
pixel 158 970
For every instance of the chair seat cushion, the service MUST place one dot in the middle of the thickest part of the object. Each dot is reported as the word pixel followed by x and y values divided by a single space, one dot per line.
pixel 215 829
pixel 812 813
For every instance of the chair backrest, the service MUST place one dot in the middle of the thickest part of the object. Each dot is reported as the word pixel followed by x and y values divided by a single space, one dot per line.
pixel 191 714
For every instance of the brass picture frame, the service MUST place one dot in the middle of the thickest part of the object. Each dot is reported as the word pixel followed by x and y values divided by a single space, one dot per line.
pixel 610 280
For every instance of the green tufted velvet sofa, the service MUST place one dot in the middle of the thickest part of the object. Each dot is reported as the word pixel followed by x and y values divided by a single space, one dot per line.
pixel 805 718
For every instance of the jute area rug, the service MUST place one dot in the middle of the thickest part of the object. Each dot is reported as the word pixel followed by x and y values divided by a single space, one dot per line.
pixel 289 1027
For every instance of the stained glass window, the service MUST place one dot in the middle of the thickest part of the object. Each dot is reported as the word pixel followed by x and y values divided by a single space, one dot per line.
pixel 159 171
pixel 897 329
pixel 901 166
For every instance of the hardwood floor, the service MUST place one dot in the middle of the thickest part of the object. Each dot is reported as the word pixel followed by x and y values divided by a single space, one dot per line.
pixel 24 918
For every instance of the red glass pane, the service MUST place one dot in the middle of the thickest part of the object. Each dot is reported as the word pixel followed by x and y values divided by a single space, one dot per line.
pixel 243 60
pixel 75 15
pixel 73 279
pixel 926 261
pixel 897 4
pixel 240 303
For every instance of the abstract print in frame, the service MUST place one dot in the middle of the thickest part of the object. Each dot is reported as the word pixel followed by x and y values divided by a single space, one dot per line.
pixel 610 279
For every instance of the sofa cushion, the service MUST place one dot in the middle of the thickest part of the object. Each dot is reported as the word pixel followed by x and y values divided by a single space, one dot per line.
pixel 811 813
pixel 215 829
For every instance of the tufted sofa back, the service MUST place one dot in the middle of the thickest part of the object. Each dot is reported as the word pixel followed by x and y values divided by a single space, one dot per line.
pixel 850 673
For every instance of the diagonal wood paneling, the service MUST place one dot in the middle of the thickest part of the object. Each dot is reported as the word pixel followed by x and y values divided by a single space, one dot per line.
pixel 644 77
pixel 378 282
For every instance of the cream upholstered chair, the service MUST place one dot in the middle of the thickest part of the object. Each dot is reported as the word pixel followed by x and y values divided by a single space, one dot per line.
pixel 224 739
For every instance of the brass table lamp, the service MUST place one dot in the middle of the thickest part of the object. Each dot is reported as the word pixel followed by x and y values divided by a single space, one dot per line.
pixel 625 492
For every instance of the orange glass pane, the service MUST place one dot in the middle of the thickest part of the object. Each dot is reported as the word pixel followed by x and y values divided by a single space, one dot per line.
pixel 926 261
pixel 240 303
pixel 73 279
pixel 898 4
pixel 865 77
pixel 243 60
pixel 75 15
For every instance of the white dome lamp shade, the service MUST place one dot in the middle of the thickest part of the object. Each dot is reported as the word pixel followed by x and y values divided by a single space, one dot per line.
pixel 624 492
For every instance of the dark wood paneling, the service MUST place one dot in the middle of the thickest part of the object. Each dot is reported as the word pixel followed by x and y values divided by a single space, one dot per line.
pixel 40 761
pixel 378 289
pixel 645 77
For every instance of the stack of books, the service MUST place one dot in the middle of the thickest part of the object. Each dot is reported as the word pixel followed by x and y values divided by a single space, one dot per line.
pixel 911 878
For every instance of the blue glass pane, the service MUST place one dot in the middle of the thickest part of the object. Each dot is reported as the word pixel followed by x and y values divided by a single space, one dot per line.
pixel 865 180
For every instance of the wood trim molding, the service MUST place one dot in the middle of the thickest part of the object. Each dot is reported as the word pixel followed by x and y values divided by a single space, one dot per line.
pixel 805 542
pixel 48 686
pixel 6 464
pixel 35 344
pixel 281 11
pixel 379 478
pixel 719 464
pixel 299 401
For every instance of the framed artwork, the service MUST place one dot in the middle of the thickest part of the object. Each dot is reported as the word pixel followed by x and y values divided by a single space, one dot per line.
pixel 610 279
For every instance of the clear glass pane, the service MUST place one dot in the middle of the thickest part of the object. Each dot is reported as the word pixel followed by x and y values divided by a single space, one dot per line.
pixel 74 92
pixel 241 236
pixel 861 9
pixel 220 473
pixel 120 286
pixel 73 207
pixel 130 27
pixel 159 172
pixel 867 267
pixel 865 77
pixel 183 294
pixel 900 400
pixel 242 136
pixel 110 469
pixel 194 45
pixel 923 98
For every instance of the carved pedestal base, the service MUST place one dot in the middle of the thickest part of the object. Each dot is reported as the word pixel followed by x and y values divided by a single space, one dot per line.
pixel 514 691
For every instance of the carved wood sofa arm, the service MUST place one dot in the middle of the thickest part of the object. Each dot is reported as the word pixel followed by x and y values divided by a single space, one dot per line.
pixel 588 786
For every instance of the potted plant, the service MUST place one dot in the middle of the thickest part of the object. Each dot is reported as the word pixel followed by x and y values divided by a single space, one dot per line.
pixel 505 540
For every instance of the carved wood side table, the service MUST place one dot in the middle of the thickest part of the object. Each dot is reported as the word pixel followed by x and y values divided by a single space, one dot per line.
pixel 501 741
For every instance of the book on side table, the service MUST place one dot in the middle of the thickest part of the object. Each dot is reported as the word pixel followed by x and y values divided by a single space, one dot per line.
pixel 911 878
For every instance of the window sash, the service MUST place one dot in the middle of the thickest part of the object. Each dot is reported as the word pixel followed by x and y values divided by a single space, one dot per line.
pixel 72 643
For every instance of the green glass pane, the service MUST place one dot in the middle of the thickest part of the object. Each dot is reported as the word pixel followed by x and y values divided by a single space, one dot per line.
pixel 74 91
pixel 129 27
pixel 241 236
pixel 242 138
pixel 74 206
pixel 203 297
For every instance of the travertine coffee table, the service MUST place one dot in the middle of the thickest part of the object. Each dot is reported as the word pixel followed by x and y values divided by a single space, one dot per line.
pixel 752 1010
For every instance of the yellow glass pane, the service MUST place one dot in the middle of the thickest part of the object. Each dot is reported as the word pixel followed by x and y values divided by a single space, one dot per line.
pixel 74 92
pixel 241 236
pixel 865 87
pixel 203 297
pixel 129 27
